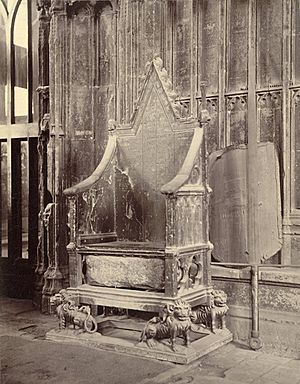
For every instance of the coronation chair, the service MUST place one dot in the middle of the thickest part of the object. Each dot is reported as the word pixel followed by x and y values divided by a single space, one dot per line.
pixel 139 223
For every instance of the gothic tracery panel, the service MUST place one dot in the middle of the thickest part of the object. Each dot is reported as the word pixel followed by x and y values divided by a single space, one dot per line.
pixel 236 129
pixel 269 116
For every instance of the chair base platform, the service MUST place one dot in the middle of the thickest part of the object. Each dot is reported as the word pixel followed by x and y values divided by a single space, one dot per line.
pixel 123 334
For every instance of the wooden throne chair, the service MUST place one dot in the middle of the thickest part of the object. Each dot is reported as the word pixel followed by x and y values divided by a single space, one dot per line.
pixel 139 223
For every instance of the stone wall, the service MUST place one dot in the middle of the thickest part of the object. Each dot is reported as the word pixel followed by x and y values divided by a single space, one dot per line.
pixel 279 306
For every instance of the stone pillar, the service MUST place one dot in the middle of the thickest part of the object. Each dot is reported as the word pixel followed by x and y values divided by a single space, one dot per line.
pixel 54 214
pixel 43 91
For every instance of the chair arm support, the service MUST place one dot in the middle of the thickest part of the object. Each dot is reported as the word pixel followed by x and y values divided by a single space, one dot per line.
pixel 98 172
pixel 185 171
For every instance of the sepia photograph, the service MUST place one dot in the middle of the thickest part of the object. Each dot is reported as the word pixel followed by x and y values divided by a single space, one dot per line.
pixel 149 191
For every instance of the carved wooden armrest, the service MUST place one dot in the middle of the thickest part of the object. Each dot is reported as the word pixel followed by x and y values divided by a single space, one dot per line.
pixel 84 186
pixel 185 171
pixel 98 172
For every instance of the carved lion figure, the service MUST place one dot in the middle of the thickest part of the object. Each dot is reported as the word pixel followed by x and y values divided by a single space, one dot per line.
pixel 175 322
pixel 212 316
pixel 69 314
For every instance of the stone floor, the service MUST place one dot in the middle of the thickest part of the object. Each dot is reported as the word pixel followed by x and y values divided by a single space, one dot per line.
pixel 26 357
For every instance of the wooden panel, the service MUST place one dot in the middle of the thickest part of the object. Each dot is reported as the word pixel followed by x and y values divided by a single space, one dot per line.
pixel 296 148
pixel 269 42
pixel 209 40
pixel 182 143
pixel 81 56
pixel 191 224
pixel 182 47
pixel 152 43
pixel 3 72
pixel 269 116
pixel 237 54
pixel 103 109
pixel 90 91
pixel 296 41
pixel 3 201
pixel 96 207
pixel 129 210
pixel 212 133
pixel 158 152
pixel 236 128
pixel 80 159
pixel 121 78
pixel 148 160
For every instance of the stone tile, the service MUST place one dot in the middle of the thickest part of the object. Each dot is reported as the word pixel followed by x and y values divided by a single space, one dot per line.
pixel 294 364
pixel 225 362
pixel 230 357
pixel 199 379
pixel 273 359
pixel 265 380
pixel 249 370
pixel 282 375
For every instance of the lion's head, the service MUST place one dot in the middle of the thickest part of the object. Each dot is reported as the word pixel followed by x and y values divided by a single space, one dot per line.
pixel 219 298
pixel 181 310
pixel 56 300
pixel 59 298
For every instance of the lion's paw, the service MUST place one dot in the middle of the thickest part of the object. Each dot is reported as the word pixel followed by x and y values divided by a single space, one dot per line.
pixel 151 343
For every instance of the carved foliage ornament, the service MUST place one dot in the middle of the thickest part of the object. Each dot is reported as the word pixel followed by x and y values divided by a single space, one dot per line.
pixel 296 96
pixel 269 98
pixel 236 102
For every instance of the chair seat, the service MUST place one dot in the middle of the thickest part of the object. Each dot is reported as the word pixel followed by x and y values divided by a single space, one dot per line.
pixel 125 249
pixel 130 245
